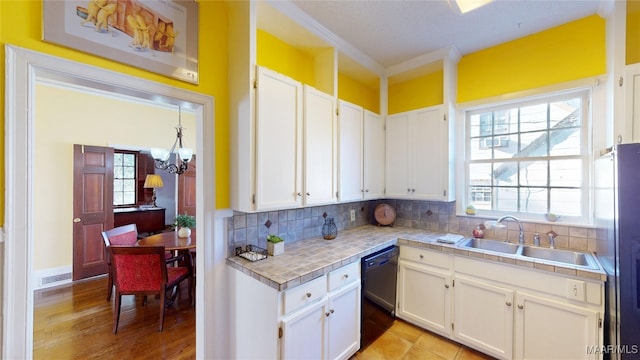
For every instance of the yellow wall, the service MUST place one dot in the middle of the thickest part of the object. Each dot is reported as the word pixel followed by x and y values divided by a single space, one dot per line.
pixel 633 31
pixel 358 93
pixel 568 52
pixel 426 90
pixel 58 127
pixel 279 56
pixel 21 25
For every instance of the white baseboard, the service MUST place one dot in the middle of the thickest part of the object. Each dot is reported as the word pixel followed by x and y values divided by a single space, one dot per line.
pixel 52 277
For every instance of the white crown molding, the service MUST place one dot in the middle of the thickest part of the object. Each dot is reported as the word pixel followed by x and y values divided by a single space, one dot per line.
pixel 289 9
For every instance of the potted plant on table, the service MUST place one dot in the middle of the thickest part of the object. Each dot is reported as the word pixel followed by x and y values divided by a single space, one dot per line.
pixel 184 223
pixel 275 245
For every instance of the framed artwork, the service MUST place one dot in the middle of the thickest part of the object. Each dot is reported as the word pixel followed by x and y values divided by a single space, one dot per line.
pixel 160 36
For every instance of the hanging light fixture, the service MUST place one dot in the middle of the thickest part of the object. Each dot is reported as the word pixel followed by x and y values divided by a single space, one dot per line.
pixel 162 156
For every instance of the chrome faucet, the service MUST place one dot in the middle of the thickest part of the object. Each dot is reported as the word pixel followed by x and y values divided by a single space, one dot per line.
pixel 536 239
pixel 521 236
pixel 552 239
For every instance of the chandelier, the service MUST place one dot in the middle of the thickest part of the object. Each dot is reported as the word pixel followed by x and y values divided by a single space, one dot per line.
pixel 162 156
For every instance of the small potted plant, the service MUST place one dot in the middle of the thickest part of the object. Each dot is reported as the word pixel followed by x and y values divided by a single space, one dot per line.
pixel 184 223
pixel 275 245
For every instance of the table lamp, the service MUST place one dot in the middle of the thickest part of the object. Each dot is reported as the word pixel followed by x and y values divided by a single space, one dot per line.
pixel 153 181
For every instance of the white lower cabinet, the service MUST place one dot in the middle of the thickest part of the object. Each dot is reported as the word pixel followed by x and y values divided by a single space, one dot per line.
pixel 483 317
pixel 305 333
pixel 326 329
pixel 424 296
pixel 344 322
pixel 549 329
pixel 505 311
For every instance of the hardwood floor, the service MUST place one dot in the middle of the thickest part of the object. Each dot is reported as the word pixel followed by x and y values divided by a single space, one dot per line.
pixel 76 322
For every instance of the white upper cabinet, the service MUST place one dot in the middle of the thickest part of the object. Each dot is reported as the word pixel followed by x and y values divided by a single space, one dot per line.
pixel 320 147
pixel 417 155
pixel 351 149
pixel 374 155
pixel 362 152
pixel 278 141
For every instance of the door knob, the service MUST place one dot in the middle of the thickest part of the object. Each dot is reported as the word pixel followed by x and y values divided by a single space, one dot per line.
pixel 77 220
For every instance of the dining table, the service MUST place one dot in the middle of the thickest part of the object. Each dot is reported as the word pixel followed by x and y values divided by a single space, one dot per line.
pixel 170 240
pixel 175 245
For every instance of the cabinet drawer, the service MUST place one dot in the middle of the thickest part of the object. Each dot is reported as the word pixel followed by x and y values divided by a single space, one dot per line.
pixel 424 256
pixel 344 275
pixel 304 294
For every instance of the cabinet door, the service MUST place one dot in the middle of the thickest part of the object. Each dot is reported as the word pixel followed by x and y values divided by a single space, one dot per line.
pixel 278 141
pixel 344 322
pixel 483 317
pixel 397 168
pixel 374 155
pixel 351 152
pixel 424 297
pixel 427 154
pixel 549 329
pixel 320 147
pixel 305 333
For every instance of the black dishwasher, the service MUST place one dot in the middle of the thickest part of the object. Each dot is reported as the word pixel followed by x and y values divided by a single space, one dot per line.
pixel 379 274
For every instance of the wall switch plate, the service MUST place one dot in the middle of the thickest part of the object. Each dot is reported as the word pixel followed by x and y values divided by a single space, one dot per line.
pixel 575 290
pixel 353 215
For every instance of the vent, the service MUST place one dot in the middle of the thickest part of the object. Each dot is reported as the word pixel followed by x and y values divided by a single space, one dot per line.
pixel 54 279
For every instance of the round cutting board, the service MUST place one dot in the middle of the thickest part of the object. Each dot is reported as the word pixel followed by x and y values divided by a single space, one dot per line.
pixel 385 214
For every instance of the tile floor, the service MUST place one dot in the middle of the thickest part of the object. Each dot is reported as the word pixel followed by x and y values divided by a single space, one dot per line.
pixel 404 341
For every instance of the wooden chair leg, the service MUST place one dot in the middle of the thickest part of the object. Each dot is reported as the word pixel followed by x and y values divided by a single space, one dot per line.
pixel 162 306
pixel 110 286
pixel 116 313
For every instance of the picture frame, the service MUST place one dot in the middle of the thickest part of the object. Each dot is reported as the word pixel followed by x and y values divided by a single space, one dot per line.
pixel 160 36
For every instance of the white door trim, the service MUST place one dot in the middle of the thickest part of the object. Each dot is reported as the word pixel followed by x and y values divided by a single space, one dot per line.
pixel 22 69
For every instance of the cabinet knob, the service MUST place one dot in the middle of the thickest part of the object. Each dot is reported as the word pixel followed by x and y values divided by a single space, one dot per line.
pixel 308 194
pixel 408 190
pixel 327 314
pixel 421 256
pixel 446 286
pixel 366 190
pixel 346 276
pixel 508 303
pixel 413 190
pixel 308 295
pixel 299 194
pixel 520 306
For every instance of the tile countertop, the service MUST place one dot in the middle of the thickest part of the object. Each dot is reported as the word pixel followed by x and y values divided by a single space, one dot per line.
pixel 308 259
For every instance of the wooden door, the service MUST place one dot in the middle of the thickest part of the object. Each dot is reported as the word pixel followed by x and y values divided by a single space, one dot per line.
pixel 92 208
pixel 187 190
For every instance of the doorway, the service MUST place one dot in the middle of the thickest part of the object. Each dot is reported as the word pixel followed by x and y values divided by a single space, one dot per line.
pixel 24 68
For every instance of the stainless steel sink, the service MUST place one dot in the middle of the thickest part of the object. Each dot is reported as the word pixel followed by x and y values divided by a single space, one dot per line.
pixel 560 256
pixel 491 245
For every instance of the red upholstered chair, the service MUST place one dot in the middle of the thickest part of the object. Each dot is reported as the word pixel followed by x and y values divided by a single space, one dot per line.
pixel 125 235
pixel 142 270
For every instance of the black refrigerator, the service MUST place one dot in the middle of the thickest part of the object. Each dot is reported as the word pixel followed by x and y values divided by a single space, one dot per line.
pixel 617 213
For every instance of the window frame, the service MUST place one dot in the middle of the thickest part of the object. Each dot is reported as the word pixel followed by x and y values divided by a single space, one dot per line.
pixel 464 191
pixel 135 178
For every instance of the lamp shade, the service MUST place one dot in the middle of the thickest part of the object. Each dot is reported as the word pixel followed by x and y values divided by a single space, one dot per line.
pixel 153 181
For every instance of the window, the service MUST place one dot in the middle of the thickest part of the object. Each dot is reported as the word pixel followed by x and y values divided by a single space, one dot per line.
pixel 529 157
pixel 124 178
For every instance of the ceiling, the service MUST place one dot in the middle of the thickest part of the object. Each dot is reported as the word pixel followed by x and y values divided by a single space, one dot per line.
pixel 391 32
